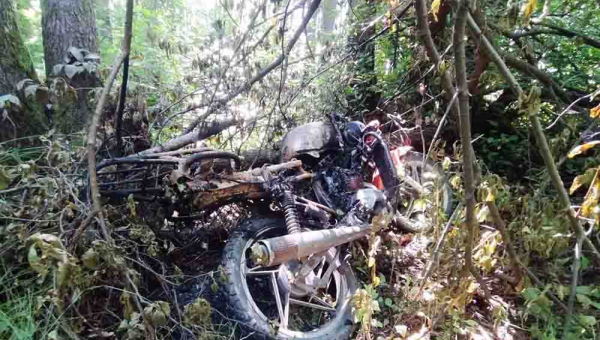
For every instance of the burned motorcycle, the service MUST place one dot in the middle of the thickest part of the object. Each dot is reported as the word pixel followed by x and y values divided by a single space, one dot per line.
pixel 288 274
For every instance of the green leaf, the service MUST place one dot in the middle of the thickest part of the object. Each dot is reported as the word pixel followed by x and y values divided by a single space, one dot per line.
pixel 587 320
pixel 35 262
pixel 76 53
pixel 531 294
pixel 471 323
pixel 70 71
pixel 388 302
pixel 57 69
pixel 584 262
pixel 90 259
pixel 9 98
pixel 583 290
pixel 4 179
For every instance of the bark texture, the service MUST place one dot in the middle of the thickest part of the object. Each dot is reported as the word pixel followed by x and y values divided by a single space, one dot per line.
pixel 15 62
pixel 16 65
pixel 70 23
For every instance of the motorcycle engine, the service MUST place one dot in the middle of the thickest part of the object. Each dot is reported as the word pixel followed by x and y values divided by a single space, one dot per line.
pixel 335 187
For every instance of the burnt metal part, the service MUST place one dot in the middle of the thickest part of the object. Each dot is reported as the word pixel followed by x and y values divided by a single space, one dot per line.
pixel 309 139
pixel 353 132
pixel 277 250
pixel 385 165
pixel 338 185
pixel 224 191
pixel 210 193
pixel 134 160
pixel 354 225
pixel 209 155
pixel 291 215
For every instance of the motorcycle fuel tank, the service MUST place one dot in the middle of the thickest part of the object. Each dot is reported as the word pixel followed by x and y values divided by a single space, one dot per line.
pixel 312 139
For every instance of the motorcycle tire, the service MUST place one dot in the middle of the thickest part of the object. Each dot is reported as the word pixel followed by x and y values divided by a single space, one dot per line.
pixel 414 161
pixel 242 306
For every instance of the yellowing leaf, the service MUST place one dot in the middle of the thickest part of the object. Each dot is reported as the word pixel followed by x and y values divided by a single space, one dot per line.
pixel 591 199
pixel 435 9
pixel 4 179
pixel 41 267
pixel 483 214
pixel 528 10
pixel 582 148
pixel 197 313
pixel 595 112
pixel 584 179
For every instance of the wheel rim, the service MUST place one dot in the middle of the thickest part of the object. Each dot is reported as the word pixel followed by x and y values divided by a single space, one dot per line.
pixel 416 207
pixel 293 311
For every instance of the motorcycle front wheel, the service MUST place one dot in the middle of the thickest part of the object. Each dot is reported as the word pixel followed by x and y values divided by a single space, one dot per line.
pixel 415 212
pixel 267 305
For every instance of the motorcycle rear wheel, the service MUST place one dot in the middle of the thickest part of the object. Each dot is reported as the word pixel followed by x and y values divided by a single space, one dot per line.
pixel 252 303
pixel 438 194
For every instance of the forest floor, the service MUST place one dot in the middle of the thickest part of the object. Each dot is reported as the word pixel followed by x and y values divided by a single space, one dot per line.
pixel 413 314
pixel 61 279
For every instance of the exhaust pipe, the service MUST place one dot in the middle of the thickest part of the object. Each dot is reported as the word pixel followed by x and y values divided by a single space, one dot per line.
pixel 277 250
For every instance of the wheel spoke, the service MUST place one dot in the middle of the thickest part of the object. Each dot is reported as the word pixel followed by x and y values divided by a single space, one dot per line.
pixel 311 305
pixel 286 311
pixel 321 301
pixel 415 173
pixel 282 318
pixel 261 272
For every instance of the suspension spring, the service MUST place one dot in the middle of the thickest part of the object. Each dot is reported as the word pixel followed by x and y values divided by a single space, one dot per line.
pixel 291 215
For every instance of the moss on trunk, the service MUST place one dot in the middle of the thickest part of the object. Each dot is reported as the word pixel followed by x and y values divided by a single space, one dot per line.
pixel 16 65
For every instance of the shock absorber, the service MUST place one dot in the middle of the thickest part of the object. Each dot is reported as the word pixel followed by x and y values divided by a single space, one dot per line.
pixel 289 209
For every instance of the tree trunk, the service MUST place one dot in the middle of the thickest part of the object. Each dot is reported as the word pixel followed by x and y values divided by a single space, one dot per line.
pixel 16 65
pixel 15 62
pixel 65 24
pixel 328 16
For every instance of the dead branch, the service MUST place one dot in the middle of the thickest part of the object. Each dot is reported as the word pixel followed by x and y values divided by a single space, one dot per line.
pixel 260 75
pixel 465 137
pixel 540 138
pixel 206 130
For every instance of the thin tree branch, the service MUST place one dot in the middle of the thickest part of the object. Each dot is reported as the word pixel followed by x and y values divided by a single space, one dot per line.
pixel 91 138
pixel 557 30
pixel 460 61
pixel 121 107
pixel 512 254
pixel 424 34
pixel 541 141
pixel 262 73
pixel 574 279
